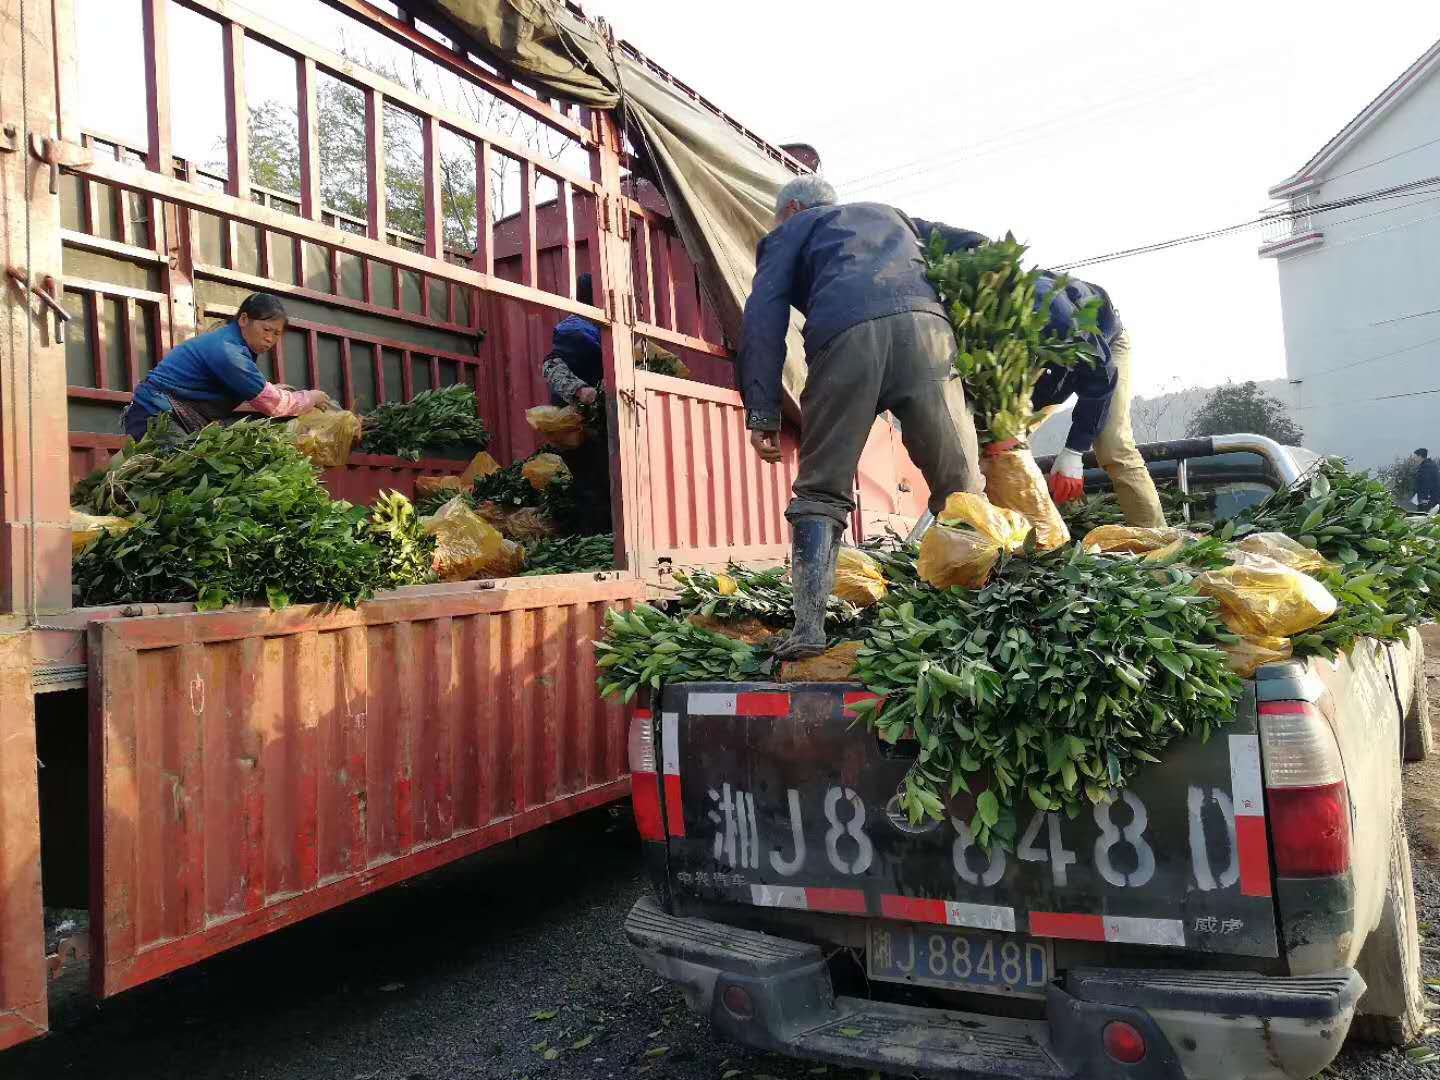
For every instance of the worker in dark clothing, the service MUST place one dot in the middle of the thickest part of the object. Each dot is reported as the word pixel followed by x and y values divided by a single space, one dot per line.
pixel 876 339
pixel 1427 481
pixel 1101 419
pixel 573 369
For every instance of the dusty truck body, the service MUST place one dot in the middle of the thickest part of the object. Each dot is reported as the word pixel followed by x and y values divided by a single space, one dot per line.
pixel 1233 914
pixel 211 777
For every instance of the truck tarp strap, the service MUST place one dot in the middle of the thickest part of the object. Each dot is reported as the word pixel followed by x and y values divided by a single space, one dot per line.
pixel 721 185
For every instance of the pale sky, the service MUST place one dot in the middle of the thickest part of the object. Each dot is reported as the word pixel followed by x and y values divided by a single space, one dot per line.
pixel 1083 128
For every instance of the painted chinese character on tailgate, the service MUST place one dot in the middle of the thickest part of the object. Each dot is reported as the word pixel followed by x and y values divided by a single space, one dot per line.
pixel 737 838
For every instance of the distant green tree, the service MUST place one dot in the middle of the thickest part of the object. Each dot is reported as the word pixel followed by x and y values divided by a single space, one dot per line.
pixel 1237 408
pixel 1399 477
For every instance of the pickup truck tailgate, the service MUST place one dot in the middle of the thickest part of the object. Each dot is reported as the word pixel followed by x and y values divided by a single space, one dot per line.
pixel 786 801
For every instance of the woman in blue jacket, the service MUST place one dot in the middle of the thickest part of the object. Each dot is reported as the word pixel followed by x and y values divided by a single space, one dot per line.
pixel 208 377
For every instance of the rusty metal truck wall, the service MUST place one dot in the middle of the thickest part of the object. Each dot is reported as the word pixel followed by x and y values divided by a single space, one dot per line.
pixel 252 768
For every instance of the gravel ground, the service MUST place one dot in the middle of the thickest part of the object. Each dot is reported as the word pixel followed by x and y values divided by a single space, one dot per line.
pixel 509 966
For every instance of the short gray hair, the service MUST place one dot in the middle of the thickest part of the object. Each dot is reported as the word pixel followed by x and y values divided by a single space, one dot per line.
pixel 808 190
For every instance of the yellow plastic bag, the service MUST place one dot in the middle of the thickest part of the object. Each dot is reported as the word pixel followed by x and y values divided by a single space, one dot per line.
pixel 1260 597
pixel 1249 654
pixel 1282 548
pixel 562 425
pixel 481 466
pixel 527 525
pixel 966 544
pixel 1014 481
pixel 726 585
pixel 858 578
pixel 542 470
pixel 325 436
pixel 429 485
pixel 85 528
pixel 467 546
pixel 1132 539
pixel 833 665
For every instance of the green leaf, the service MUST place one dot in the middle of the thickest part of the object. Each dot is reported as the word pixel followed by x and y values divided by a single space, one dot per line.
pixel 544 1014
pixel 988 807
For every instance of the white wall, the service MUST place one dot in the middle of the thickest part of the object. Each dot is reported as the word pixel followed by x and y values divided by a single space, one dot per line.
pixel 1372 289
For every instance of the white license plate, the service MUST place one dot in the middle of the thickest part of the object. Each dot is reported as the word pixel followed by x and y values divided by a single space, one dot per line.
pixel 956 959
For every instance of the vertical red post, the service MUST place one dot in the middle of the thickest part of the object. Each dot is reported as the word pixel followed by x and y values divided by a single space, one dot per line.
pixel 484 258
pixel 434 205
pixel 565 197
pixel 312 359
pixel 610 262
pixel 22 934
pixel 95 317
pixel 649 272
pixel 375 163
pixel 155 27
pixel 347 375
pixel 529 264
pixel 237 111
pixel 309 116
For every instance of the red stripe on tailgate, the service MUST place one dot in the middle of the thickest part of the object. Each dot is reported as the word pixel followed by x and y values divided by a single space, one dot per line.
pixel 1254 855
pixel 841 901
pixel 1065 925
pixel 913 909
pixel 762 704
pixel 674 809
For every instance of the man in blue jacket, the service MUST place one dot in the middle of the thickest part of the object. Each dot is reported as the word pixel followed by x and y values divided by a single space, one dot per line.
pixel 573 369
pixel 1101 419
pixel 876 339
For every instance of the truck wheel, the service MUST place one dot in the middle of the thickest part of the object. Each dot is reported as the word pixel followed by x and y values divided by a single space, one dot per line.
pixel 1419 739
pixel 1392 1011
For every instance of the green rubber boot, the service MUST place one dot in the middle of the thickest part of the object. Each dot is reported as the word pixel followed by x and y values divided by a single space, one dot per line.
pixel 816 546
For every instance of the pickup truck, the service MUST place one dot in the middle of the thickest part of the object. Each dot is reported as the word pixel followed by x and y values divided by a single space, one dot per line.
pixel 1236 912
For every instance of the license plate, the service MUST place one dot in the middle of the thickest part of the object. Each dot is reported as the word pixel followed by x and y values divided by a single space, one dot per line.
pixel 977 960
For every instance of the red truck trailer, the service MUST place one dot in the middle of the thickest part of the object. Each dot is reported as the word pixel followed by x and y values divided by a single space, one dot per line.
pixel 208 778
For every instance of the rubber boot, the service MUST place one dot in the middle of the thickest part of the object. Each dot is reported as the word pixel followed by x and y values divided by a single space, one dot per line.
pixel 812 574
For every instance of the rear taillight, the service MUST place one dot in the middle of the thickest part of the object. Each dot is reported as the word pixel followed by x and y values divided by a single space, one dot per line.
pixel 645 777
pixel 1309 806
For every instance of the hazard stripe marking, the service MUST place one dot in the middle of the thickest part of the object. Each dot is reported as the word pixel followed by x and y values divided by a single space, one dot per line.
pixel 707 704
pixel 841 901
pixel 760 703
pixel 670 743
pixel 980 916
pixel 674 808
pixel 1119 929
pixel 1247 790
pixel 1062 925
pixel 1245 786
pixel 779 896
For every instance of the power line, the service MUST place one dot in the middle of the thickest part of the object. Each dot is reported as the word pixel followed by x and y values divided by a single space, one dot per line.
pixel 1289 214
pixel 1369 359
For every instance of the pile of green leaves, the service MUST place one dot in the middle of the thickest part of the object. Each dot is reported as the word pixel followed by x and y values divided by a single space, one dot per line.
pixel 571 555
pixel 766 595
pixel 1103 508
pixel 507 487
pixel 431 420
pixel 1001 334
pixel 231 515
pixel 1049 687
pixel 663 362
pixel 426 505
pixel 647 648
pixel 1386 572
pixel 406 550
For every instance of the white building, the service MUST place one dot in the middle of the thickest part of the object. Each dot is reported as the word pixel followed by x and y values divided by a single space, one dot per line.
pixel 1359 267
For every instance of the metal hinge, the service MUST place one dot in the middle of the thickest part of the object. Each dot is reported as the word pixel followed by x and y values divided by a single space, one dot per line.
pixel 605 221
pixel 58 152
pixel 9 138
pixel 629 309
pixel 48 294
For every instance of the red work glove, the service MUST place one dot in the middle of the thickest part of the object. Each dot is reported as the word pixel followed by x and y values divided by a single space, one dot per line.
pixel 1067 477
pixel 995 449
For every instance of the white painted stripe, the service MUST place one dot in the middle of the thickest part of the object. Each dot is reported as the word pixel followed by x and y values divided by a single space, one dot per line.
pixel 980 916
pixel 670 742
pixel 702 704
pixel 1144 931
pixel 1245 785
pixel 781 896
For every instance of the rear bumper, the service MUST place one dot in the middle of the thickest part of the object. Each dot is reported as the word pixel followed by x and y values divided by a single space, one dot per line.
pixel 1196 1026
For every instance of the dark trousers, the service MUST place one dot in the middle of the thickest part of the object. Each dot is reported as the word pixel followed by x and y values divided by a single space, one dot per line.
pixel 900 363
pixel 589 464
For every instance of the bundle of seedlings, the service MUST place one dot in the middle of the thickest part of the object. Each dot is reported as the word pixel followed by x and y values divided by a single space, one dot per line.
pixel 1003 347
pixel 406 550
pixel 765 596
pixel 571 555
pixel 647 648
pixel 231 515
pixel 432 420
pixel 1103 508
pixel 1049 687
pixel 1381 565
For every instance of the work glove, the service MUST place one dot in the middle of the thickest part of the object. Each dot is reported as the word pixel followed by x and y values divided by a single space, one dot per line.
pixel 1067 477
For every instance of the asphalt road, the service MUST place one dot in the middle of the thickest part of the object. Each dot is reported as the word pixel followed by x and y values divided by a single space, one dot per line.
pixel 508 966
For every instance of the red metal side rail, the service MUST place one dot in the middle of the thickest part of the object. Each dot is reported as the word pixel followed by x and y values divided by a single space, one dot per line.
pixel 22 933
pixel 253 768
